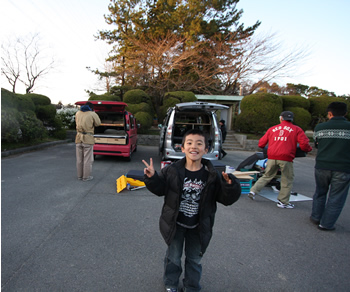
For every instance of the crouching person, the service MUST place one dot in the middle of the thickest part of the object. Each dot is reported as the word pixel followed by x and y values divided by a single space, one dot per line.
pixel 191 188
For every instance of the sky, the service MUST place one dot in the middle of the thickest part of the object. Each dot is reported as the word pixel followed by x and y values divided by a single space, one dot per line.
pixel 67 29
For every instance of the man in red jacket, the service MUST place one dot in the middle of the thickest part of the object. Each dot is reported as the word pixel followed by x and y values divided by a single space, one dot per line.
pixel 283 140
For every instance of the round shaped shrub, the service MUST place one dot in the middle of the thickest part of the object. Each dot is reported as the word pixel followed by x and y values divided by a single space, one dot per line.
pixel 136 96
pixel 319 104
pixel 25 103
pixel 142 107
pixel 39 99
pixel 260 111
pixel 46 113
pixel 261 102
pixel 302 117
pixel 8 99
pixel 106 97
pixel 182 96
pixel 145 120
pixel 31 128
pixel 295 101
pixel 9 125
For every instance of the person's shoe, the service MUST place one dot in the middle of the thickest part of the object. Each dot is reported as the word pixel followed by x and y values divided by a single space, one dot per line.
pixel 88 178
pixel 224 154
pixel 314 221
pixel 251 195
pixel 285 206
pixel 324 228
pixel 171 289
pixel 80 178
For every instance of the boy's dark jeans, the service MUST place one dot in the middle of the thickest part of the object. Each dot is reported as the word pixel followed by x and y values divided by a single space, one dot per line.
pixel 172 261
pixel 327 210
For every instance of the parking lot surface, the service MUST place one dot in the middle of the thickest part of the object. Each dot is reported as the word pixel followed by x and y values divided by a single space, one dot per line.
pixel 62 234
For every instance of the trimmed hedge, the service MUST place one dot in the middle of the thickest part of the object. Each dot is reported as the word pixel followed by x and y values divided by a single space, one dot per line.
pixel 145 120
pixel 142 107
pixel 8 99
pixel 10 127
pixel 38 99
pixel 260 111
pixel 302 117
pixel 318 108
pixel 136 96
pixel 106 97
pixel 295 101
pixel 182 96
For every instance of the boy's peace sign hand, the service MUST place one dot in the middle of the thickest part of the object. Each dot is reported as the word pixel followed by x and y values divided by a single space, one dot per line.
pixel 149 170
pixel 226 177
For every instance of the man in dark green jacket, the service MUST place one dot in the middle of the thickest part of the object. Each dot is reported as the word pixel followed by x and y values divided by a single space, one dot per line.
pixel 191 188
pixel 332 169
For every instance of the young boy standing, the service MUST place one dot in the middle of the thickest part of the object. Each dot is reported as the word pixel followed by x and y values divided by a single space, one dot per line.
pixel 191 187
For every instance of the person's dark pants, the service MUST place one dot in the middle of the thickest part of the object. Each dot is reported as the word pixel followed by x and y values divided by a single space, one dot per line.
pixel 336 185
pixel 172 261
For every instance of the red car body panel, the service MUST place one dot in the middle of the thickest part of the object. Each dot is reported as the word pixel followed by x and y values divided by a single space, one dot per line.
pixel 117 134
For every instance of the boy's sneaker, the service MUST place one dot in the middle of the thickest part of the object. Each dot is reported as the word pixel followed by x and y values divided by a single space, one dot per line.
pixel 251 195
pixel 286 206
pixel 170 289
pixel 88 178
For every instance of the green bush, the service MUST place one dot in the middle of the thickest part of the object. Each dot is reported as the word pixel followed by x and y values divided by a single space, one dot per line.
pixel 25 103
pixel 105 96
pixel 8 99
pixel 182 96
pixel 39 99
pixel 142 107
pixel 295 101
pixel 10 127
pixel 145 120
pixel 46 113
pixel 57 129
pixel 136 96
pixel 169 102
pixel 318 108
pixel 260 111
pixel 31 128
pixel 302 117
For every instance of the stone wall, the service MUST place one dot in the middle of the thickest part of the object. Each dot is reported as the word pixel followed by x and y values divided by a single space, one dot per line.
pixel 249 145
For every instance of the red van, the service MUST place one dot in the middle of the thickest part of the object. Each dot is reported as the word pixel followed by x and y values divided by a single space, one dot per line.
pixel 117 134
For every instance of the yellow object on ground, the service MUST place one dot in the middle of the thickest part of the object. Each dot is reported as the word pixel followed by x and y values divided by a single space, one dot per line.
pixel 135 182
pixel 123 181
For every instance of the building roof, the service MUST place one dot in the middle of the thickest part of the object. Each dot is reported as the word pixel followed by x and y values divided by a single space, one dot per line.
pixel 221 98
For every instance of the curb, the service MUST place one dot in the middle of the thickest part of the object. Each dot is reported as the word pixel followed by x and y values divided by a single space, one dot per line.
pixel 33 148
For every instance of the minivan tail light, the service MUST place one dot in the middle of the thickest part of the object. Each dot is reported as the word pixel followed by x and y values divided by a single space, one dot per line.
pixel 216 136
pixel 169 131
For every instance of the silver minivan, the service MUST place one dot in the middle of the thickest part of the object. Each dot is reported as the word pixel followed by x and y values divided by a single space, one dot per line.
pixel 186 116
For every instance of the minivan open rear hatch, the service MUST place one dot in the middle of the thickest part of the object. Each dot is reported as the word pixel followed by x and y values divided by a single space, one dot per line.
pixel 200 106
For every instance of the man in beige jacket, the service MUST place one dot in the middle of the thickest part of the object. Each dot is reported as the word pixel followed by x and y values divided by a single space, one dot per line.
pixel 86 120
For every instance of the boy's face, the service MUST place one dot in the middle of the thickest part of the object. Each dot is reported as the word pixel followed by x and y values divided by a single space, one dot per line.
pixel 194 147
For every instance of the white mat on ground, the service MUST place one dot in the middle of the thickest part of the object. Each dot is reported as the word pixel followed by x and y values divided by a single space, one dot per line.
pixel 269 194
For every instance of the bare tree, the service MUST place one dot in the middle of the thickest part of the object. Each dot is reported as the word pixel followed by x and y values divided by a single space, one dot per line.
pixel 10 64
pixel 262 59
pixel 24 60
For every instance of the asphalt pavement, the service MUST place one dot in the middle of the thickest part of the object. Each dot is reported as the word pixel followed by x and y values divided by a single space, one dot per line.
pixel 62 234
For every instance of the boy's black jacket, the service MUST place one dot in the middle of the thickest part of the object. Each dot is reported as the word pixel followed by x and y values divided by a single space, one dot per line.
pixel 169 183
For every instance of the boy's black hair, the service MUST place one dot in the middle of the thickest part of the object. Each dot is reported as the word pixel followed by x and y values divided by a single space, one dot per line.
pixel 196 132
pixel 337 108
